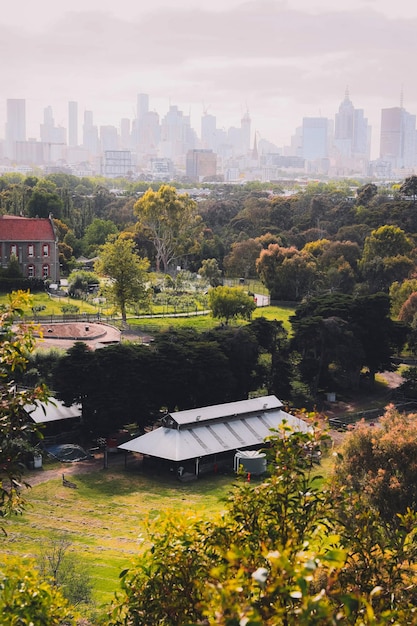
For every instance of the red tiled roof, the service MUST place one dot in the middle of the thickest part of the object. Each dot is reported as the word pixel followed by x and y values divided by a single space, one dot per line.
pixel 13 228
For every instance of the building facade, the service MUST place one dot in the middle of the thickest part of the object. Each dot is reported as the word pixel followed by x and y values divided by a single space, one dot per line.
pixel 34 242
pixel 201 164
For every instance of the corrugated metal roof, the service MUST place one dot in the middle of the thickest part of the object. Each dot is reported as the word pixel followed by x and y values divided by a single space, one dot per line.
pixel 228 409
pixel 206 439
pixel 52 411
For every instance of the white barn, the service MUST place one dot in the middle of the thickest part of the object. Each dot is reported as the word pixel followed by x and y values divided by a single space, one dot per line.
pixel 202 439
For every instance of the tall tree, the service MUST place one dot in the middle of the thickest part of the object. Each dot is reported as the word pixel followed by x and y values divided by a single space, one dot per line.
pixel 210 271
pixel 126 271
pixel 169 219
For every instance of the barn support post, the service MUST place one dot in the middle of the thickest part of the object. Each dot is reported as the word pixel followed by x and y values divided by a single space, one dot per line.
pixel 197 466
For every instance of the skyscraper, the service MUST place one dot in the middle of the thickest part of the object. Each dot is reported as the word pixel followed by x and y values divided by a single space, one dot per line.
pixel 208 132
pixel 72 124
pixel 90 134
pixel 351 138
pixel 398 137
pixel 15 125
pixel 315 138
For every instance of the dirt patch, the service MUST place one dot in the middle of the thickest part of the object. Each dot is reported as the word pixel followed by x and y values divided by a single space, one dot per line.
pixel 64 335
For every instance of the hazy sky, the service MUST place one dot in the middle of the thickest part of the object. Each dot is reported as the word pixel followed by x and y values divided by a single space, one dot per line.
pixel 280 60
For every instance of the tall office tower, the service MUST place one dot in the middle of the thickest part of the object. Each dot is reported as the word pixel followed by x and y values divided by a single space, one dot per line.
pixel 344 128
pixel 208 132
pixel 90 134
pixel 245 125
pixel 398 137
pixel 125 140
pixel 72 124
pixel 142 105
pixel 351 138
pixel 109 138
pixel 177 136
pixel 145 129
pixel 15 126
pixel 315 138
pixel 54 137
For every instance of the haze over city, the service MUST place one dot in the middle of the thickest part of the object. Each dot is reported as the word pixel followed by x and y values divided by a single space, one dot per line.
pixel 278 60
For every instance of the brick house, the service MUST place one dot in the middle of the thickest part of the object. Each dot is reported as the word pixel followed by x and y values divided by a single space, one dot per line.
pixel 35 244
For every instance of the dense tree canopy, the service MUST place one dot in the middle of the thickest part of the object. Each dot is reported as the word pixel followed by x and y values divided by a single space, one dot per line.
pixel 338 335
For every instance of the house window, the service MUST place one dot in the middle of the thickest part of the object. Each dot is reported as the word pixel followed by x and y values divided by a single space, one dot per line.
pixel 31 250
pixel 31 271
pixel 45 249
pixel 13 249
pixel 45 270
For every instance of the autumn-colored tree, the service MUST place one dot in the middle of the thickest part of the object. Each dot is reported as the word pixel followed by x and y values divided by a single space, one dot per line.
pixel 241 261
pixel 399 292
pixel 288 273
pixel 381 464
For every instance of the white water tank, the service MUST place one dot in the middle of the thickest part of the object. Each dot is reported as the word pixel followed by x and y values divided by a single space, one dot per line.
pixel 252 461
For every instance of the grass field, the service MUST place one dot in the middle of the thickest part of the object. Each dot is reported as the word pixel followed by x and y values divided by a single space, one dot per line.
pixel 206 322
pixel 149 324
pixel 105 517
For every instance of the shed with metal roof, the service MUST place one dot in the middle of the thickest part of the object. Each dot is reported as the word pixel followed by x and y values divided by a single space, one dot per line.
pixel 202 439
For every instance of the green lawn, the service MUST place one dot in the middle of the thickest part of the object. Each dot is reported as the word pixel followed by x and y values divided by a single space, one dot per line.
pixel 106 516
pixel 206 322
pixel 52 304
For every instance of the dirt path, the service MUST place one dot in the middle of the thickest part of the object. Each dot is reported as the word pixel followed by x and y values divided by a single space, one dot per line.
pixel 36 477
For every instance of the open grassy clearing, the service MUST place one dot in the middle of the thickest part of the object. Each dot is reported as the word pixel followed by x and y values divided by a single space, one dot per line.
pixel 206 322
pixel 106 515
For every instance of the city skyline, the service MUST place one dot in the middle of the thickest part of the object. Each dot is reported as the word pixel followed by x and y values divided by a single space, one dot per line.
pixel 65 128
pixel 281 61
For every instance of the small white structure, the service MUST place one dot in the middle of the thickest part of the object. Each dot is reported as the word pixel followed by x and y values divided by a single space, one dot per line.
pixel 252 461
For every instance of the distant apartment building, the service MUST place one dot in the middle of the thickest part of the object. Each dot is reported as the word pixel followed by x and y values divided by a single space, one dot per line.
pixel 117 163
pixel 161 169
pixel 201 164
pixel 34 242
